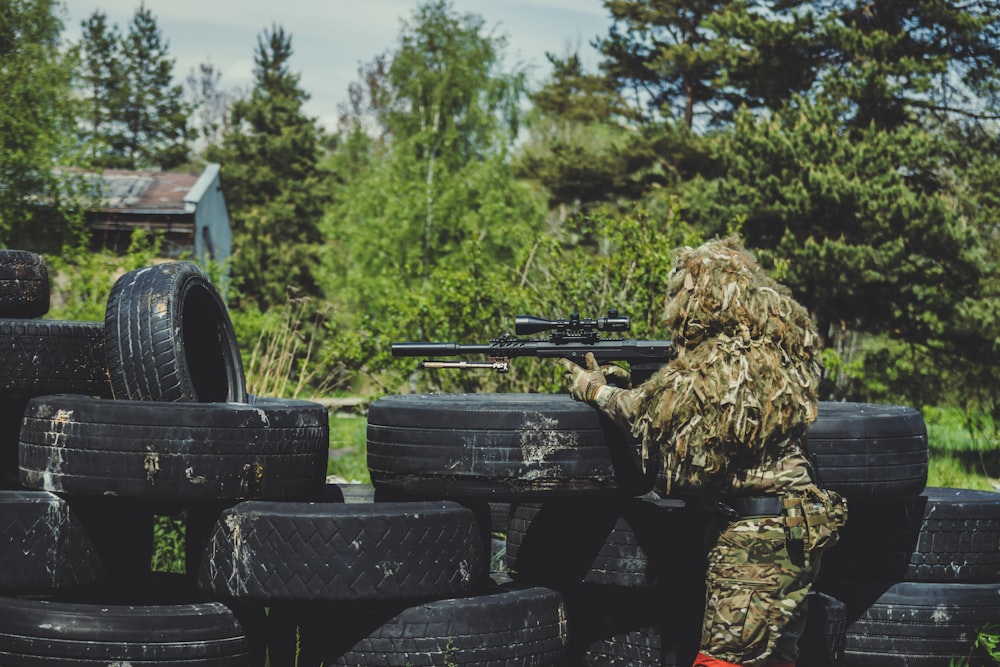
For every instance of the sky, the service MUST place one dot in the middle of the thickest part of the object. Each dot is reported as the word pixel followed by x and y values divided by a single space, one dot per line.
pixel 330 38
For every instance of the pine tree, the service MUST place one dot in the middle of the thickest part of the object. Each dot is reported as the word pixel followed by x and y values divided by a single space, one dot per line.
pixel 100 78
pixel 576 129
pixel 923 60
pixel 274 185
pixel 153 110
pixel 664 56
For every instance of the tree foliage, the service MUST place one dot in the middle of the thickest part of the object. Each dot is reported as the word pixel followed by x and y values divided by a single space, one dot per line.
pixel 924 60
pixel 577 139
pixel 438 174
pixel 36 204
pixel 685 61
pixel 865 227
pixel 275 187
pixel 154 113
pixel 133 116
pixel 853 144
pixel 100 82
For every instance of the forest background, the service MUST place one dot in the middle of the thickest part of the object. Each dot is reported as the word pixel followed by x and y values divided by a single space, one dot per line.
pixel 852 144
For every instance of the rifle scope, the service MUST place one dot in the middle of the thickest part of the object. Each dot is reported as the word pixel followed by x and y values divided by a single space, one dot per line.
pixel 529 324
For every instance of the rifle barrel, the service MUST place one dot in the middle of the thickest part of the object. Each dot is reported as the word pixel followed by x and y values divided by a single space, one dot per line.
pixel 438 349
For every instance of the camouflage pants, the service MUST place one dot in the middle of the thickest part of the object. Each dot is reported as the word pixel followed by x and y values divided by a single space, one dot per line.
pixel 756 586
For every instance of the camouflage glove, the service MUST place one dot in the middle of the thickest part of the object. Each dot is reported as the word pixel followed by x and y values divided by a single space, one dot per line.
pixel 618 376
pixel 586 384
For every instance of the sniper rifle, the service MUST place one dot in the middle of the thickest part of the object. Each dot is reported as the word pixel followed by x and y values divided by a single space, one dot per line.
pixel 571 338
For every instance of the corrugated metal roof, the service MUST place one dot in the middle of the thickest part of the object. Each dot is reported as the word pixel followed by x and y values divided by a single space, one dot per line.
pixel 145 191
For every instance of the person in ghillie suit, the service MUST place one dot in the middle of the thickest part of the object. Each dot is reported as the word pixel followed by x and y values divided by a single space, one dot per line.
pixel 728 416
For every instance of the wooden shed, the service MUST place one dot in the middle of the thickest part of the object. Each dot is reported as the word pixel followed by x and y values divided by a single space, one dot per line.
pixel 188 209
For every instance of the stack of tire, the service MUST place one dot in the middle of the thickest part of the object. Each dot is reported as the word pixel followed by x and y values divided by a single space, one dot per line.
pixel 913 578
pixel 918 569
pixel 107 425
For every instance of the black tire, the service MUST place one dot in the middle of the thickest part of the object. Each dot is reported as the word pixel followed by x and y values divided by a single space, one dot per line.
pixel 499 517
pixel 343 552
pixel 868 452
pixel 499 446
pixel 11 413
pixel 917 624
pixel 122 534
pixel 629 542
pixel 269 449
pixel 523 627
pixel 24 284
pixel 944 535
pixel 43 544
pixel 169 338
pixel 822 643
pixel 631 628
pixel 39 357
pixel 39 633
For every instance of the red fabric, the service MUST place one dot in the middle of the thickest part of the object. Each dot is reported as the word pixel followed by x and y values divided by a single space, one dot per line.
pixel 778 662
pixel 703 660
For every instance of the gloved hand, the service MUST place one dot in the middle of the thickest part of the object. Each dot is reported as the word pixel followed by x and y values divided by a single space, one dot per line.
pixel 618 376
pixel 583 383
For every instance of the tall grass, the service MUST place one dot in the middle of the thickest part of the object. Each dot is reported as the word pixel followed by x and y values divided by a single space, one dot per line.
pixel 348 454
pixel 961 457
pixel 280 363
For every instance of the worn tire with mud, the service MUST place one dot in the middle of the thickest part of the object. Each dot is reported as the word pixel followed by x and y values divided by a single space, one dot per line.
pixel 173 451
pixel 44 544
pixel 870 452
pixel 24 284
pixel 501 627
pixel 42 633
pixel 498 446
pixel 39 357
pixel 918 624
pixel 344 552
pixel 169 338
pixel 944 535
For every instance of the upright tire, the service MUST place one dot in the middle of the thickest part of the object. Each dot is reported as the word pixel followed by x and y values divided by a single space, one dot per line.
pixel 169 338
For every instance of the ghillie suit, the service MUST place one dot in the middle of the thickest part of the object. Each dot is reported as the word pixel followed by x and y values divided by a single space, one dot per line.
pixel 729 416
pixel 746 373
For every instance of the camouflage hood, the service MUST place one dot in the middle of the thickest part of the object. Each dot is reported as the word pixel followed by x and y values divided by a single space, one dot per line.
pixel 747 369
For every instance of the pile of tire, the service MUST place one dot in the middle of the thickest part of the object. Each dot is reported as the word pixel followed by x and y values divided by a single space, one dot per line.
pixel 914 577
pixel 918 569
pixel 107 425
